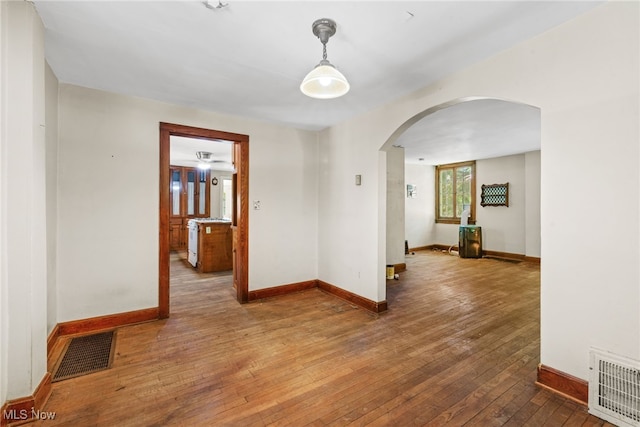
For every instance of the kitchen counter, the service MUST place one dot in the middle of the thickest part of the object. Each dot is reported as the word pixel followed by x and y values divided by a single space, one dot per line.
pixel 214 245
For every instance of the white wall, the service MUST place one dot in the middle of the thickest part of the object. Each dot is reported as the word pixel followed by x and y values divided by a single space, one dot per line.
pixel 503 228
pixel 51 168
pixel 395 206
pixel 108 200
pixel 583 75
pixel 420 212
pixel 4 283
pixel 283 177
pixel 352 230
pixel 23 263
pixel 532 203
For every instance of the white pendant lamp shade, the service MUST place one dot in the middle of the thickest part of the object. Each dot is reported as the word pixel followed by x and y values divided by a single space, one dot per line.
pixel 324 82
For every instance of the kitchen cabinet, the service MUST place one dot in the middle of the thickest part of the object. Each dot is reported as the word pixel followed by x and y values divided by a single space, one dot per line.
pixel 214 246
pixel 189 198
pixel 177 233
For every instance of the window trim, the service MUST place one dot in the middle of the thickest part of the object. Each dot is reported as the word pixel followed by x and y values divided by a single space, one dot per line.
pixel 456 220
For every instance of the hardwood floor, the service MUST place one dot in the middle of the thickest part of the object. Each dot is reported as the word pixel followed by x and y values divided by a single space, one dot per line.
pixel 459 345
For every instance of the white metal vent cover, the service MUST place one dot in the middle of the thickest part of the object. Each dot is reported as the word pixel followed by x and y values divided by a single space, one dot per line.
pixel 614 388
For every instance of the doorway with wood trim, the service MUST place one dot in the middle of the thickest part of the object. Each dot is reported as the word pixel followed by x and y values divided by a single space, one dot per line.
pixel 240 208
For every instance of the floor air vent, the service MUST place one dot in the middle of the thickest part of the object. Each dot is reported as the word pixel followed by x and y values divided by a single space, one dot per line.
pixel 614 388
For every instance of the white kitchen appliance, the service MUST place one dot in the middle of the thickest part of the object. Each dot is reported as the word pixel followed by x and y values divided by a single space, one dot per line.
pixel 192 225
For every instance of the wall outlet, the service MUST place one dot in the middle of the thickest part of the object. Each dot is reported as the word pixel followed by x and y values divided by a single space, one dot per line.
pixel 256 205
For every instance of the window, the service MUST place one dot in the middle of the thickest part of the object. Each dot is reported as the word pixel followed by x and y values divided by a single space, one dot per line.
pixel 227 198
pixel 455 191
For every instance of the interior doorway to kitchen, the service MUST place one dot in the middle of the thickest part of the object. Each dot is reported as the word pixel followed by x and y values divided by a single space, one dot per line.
pixel 197 202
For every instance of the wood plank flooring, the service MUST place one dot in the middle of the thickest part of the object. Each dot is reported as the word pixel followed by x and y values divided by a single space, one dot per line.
pixel 459 345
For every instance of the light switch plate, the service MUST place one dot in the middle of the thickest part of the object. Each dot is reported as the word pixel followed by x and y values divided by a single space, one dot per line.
pixel 358 179
pixel 256 205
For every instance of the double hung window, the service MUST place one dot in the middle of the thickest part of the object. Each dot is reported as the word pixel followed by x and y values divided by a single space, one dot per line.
pixel 455 192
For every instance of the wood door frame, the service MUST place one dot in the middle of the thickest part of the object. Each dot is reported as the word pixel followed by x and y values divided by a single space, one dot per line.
pixel 241 215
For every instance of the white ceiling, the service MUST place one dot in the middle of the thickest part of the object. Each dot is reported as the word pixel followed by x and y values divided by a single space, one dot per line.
pixel 472 130
pixel 183 152
pixel 249 57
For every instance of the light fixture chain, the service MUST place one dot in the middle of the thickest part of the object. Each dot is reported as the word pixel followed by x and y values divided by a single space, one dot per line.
pixel 324 51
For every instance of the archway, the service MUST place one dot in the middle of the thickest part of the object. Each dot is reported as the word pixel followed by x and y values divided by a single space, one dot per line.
pixel 504 130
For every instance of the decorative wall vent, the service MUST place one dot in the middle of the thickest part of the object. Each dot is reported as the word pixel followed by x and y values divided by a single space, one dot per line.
pixel 614 388
pixel 495 195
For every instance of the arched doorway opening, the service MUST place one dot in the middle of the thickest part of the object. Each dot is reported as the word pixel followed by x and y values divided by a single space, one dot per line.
pixel 490 131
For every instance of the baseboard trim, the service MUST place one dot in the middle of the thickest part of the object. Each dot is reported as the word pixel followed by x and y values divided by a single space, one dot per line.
pixel 42 392
pixel 367 304
pixel 109 321
pixel 420 248
pixel 564 384
pixel 52 338
pixel 25 409
pixel 399 268
pixel 281 290
pixel 362 302
pixel 497 254
pixel 505 255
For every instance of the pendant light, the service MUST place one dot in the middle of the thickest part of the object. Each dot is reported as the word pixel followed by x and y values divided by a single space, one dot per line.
pixel 324 81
